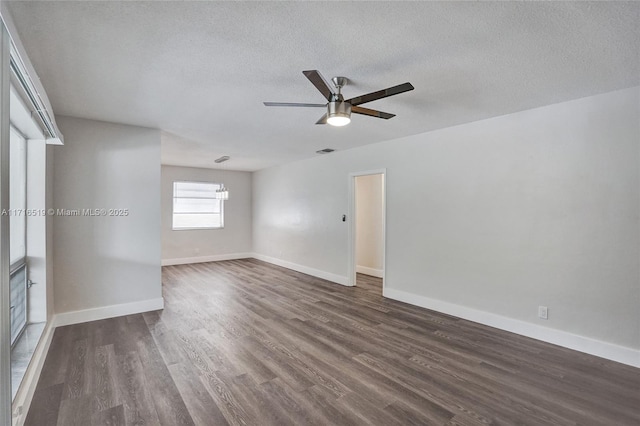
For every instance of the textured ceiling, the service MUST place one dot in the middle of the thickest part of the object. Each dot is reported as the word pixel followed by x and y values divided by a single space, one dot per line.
pixel 201 70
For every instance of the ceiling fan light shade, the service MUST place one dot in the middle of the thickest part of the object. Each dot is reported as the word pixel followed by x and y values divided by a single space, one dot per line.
pixel 338 120
pixel 338 113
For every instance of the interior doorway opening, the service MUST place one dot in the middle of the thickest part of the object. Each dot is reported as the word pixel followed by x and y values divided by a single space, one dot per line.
pixel 367 265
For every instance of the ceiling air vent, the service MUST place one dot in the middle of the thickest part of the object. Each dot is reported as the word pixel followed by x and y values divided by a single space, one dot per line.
pixel 325 151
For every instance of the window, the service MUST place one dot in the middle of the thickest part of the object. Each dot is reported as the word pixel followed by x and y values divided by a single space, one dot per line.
pixel 17 197
pixel 17 233
pixel 195 206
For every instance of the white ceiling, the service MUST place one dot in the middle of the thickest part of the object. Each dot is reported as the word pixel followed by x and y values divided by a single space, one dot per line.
pixel 201 70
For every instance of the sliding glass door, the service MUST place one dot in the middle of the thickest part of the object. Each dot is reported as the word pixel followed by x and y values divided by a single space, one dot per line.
pixel 5 328
pixel 18 233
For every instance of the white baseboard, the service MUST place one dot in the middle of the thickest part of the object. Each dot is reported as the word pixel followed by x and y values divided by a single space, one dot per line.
pixel 576 342
pixel 103 312
pixel 202 259
pixel 369 271
pixel 339 279
pixel 23 398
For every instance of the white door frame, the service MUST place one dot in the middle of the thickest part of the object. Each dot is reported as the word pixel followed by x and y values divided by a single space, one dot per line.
pixel 352 224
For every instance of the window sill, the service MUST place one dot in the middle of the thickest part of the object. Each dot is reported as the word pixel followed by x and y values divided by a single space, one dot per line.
pixel 197 229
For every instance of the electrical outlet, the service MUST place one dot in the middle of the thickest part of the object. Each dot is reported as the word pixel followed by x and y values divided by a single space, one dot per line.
pixel 543 312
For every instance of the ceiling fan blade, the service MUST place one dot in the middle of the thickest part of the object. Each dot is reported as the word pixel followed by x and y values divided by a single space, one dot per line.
pixel 401 88
pixel 371 112
pixel 323 120
pixel 321 84
pixel 292 104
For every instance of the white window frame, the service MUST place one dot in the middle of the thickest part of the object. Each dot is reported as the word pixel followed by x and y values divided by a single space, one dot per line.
pixel 173 197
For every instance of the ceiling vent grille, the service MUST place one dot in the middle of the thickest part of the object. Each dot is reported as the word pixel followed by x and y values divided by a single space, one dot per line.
pixel 325 151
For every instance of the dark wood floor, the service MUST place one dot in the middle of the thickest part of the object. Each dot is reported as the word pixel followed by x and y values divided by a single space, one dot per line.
pixel 247 343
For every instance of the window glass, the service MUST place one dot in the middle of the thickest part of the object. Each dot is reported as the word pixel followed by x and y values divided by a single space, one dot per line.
pixel 195 205
pixel 17 197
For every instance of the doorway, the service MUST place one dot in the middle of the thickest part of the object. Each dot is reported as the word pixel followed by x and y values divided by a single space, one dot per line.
pixel 367 230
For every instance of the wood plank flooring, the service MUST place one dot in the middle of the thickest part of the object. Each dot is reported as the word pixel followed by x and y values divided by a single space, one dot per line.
pixel 248 343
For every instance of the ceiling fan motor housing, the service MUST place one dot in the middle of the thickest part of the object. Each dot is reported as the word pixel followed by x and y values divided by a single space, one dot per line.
pixel 339 109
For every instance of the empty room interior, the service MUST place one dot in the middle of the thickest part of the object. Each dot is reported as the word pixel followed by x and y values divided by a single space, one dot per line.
pixel 319 213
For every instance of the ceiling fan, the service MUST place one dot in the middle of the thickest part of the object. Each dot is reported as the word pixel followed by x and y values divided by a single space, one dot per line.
pixel 338 109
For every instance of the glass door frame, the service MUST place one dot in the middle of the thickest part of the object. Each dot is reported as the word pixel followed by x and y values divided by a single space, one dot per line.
pixel 5 329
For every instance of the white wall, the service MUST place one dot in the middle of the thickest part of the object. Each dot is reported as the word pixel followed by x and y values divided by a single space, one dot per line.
pixel 491 218
pixel 106 260
pixel 369 225
pixel 232 241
